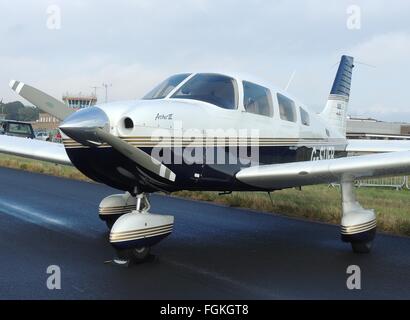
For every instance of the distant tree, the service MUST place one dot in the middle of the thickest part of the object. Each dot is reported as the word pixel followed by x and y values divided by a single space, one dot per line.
pixel 28 114
pixel 18 111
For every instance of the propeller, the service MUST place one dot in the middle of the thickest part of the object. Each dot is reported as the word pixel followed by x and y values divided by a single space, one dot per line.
pixel 41 100
pixel 88 125
pixel 136 154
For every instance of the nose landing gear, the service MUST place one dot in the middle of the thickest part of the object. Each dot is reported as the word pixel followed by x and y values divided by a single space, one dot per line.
pixel 133 234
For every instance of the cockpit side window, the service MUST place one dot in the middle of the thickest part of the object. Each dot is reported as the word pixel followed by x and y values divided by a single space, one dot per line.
pixel 165 87
pixel 213 88
pixel 257 99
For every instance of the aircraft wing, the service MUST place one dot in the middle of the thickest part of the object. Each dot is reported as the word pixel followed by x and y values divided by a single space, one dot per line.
pixel 287 175
pixel 34 149
pixel 376 146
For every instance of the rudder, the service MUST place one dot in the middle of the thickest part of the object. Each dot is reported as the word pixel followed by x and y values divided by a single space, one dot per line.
pixel 335 111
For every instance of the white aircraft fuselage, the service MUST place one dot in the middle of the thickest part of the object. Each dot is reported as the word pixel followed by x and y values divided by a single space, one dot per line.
pixel 214 142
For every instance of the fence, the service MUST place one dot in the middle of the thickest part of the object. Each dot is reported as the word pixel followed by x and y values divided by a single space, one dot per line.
pixel 397 183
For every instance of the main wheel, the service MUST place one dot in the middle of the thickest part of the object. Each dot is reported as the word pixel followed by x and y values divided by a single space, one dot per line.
pixel 109 221
pixel 362 247
pixel 134 254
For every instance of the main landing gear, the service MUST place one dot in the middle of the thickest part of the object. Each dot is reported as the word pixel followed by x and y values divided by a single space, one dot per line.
pixel 114 206
pixel 358 225
pixel 134 229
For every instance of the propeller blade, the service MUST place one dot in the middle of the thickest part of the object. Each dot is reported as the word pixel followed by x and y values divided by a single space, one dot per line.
pixel 136 154
pixel 41 100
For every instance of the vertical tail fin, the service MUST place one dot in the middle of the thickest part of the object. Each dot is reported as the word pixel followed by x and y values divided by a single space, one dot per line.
pixel 335 111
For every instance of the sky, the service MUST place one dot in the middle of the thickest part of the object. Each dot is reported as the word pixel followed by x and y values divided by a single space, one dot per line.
pixel 73 45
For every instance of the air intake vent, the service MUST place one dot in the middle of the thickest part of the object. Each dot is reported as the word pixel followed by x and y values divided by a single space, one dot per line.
pixel 128 123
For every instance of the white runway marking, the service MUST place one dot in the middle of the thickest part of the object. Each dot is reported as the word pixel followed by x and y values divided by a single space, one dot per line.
pixel 39 218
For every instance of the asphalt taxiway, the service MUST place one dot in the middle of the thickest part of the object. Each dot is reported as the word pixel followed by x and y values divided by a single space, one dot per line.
pixel 215 252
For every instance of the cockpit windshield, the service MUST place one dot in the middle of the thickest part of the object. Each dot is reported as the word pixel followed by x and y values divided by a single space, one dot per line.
pixel 165 87
pixel 212 88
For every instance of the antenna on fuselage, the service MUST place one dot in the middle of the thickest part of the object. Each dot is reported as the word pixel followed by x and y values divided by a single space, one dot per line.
pixel 290 80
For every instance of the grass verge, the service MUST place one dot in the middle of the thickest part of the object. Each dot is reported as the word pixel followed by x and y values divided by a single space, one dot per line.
pixel 25 164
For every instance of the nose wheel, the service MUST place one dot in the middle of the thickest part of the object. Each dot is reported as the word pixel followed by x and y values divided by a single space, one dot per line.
pixel 110 222
pixel 362 247
pixel 134 255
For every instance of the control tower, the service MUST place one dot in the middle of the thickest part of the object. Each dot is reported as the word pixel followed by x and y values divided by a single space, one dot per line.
pixel 79 101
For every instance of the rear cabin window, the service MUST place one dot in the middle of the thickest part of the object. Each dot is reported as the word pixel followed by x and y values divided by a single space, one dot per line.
pixel 304 117
pixel 257 99
pixel 287 108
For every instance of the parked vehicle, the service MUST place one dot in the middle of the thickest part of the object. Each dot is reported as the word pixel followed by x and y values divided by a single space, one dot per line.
pixel 42 135
pixel 17 128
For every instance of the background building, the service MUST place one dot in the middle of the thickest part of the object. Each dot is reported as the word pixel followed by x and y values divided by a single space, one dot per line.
pixel 47 122
pixel 368 128
pixel 79 101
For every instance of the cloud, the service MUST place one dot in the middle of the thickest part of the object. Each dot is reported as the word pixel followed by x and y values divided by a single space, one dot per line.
pixel 134 44
pixel 390 49
pixel 128 81
pixel 381 89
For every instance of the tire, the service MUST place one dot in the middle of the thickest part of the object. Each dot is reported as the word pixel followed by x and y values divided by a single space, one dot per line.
pixel 109 221
pixel 134 254
pixel 362 247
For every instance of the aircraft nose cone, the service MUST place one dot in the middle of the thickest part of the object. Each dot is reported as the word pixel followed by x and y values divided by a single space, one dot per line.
pixel 81 125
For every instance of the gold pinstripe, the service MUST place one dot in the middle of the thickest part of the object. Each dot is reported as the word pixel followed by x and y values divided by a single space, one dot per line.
pixel 119 208
pixel 138 234
pixel 359 228
pixel 140 237
pixel 144 230
pixel 205 141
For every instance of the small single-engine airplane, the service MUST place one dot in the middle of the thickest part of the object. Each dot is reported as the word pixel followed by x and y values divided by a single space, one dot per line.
pixel 211 132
